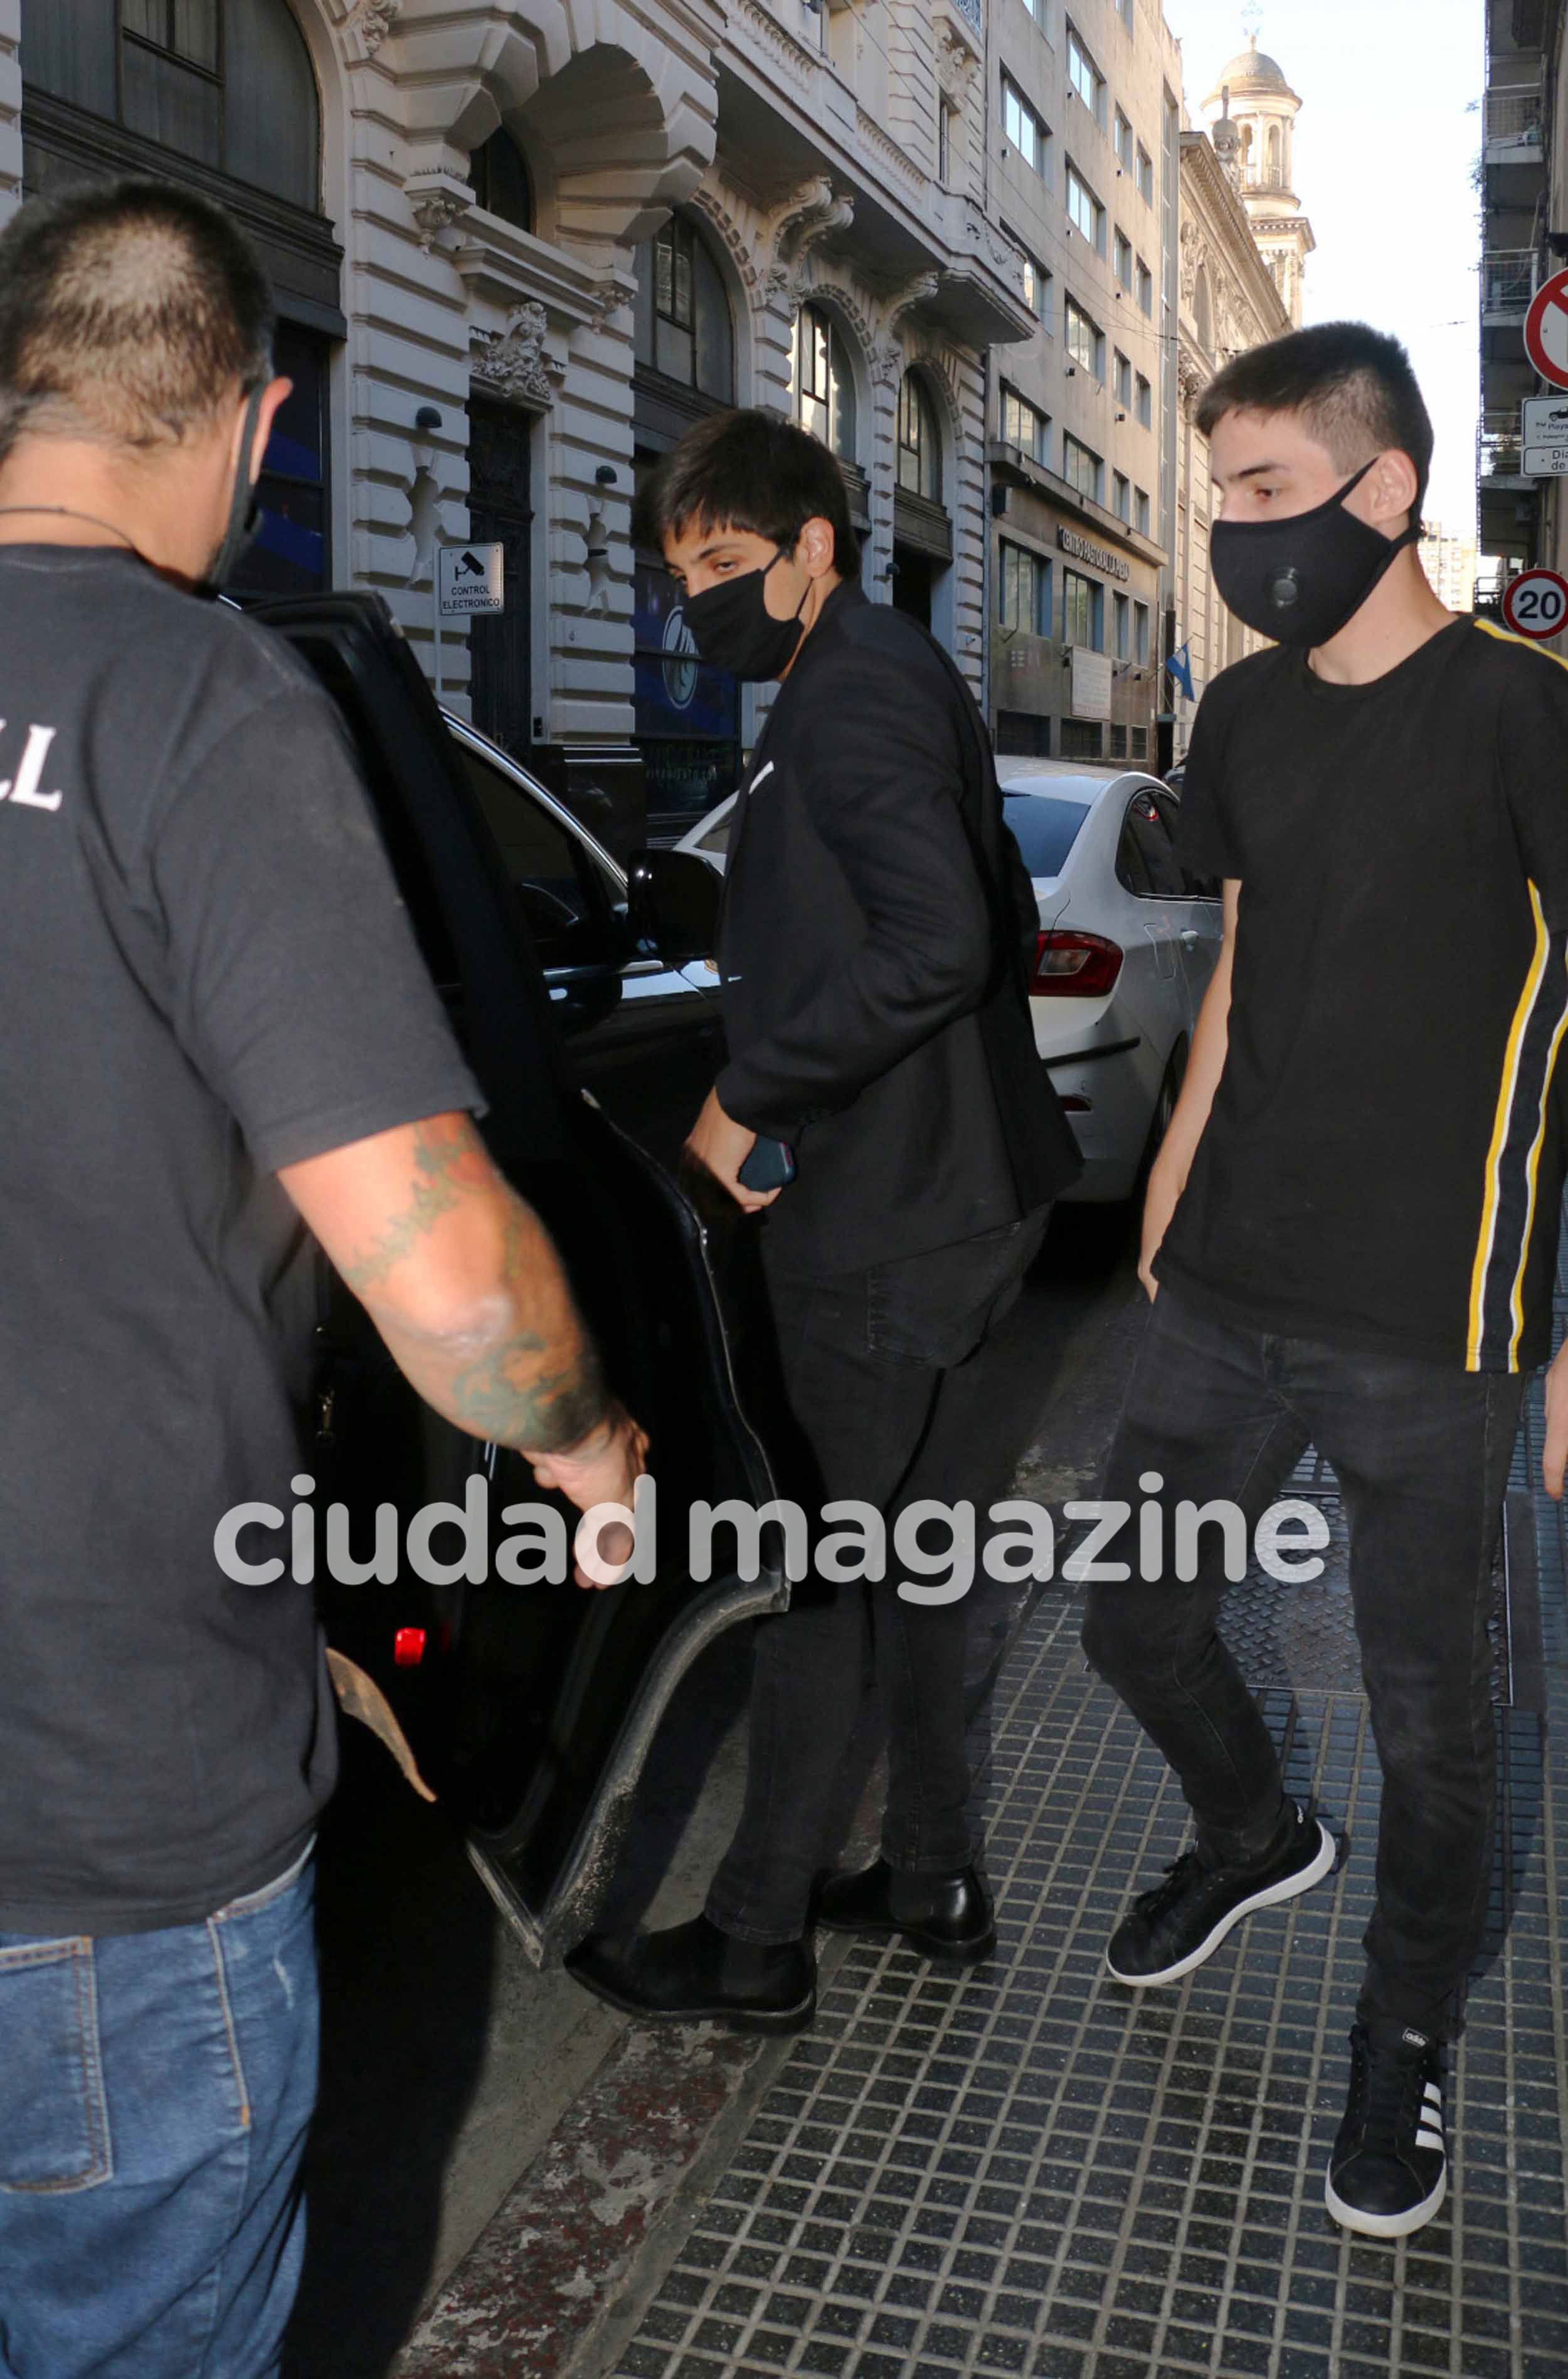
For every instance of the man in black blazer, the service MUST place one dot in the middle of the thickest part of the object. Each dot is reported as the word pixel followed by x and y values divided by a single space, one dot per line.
pixel 877 929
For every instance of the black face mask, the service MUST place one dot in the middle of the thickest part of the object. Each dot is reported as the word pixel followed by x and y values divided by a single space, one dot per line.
pixel 1299 580
pixel 245 511
pixel 733 629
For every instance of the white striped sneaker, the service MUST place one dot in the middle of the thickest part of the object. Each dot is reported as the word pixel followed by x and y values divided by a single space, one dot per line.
pixel 1388 2171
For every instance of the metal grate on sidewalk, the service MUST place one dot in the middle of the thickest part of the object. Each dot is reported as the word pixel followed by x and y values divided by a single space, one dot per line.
pixel 1028 2168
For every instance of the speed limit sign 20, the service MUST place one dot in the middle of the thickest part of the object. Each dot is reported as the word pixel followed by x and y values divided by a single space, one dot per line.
pixel 1536 604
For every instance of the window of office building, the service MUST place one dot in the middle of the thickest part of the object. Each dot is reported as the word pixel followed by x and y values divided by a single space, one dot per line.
pixel 1123 255
pixel 1037 290
pixel 1081 739
pixel 1123 381
pixel 684 327
pixel 1121 497
pixel 920 447
pixel 1024 426
pixel 1145 175
pixel 1084 211
pixel 1122 139
pixel 1023 734
pixel 1085 339
pixel 1027 130
pixel 1024 591
pixel 1083 613
pixel 1145 402
pixel 1141 635
pixel 1086 79
pixel 499 173
pixel 823 381
pixel 1082 468
pixel 1145 288
pixel 230 86
pixel 1121 613
pixel 1140 510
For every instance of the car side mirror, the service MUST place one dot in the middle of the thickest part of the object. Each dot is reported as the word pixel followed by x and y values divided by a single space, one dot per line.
pixel 672 897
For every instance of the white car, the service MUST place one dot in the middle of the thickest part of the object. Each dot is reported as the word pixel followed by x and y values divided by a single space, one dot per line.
pixel 1125 949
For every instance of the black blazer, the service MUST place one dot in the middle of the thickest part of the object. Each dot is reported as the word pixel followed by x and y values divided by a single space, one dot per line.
pixel 873 949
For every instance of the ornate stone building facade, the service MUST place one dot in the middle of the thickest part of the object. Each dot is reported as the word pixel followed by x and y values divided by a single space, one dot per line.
pixel 1085 173
pixel 519 245
pixel 1240 284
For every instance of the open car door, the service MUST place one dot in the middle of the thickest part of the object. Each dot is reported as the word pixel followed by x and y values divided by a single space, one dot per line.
pixel 528 1707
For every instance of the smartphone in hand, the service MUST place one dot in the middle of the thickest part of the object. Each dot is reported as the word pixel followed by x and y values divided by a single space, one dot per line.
pixel 770 1165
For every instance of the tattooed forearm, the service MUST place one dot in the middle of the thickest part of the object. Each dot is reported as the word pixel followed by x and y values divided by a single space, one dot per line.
pixel 509 1359
pixel 450 1161
pixel 509 1398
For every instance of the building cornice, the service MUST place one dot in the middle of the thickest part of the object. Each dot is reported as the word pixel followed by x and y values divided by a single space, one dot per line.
pixel 1237 231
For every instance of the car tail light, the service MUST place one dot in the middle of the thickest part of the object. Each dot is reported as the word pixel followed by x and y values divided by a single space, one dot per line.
pixel 408 1648
pixel 1075 966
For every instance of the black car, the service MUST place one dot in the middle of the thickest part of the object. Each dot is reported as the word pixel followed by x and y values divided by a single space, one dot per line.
pixel 529 1709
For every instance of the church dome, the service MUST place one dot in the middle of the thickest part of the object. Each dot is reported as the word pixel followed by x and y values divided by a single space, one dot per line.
pixel 1252 71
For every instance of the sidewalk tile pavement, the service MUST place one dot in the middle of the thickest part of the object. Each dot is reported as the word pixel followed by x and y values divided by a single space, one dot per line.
pixel 1026 2169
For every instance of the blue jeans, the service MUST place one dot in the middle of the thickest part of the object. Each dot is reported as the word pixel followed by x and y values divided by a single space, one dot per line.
pixel 155 2091
pixel 1422 1451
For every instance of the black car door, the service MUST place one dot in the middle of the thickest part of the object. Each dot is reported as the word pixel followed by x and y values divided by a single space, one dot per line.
pixel 647 1039
pixel 528 1707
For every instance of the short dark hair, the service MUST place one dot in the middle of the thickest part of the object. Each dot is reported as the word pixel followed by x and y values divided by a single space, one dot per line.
pixel 128 311
pixel 1353 386
pixel 748 470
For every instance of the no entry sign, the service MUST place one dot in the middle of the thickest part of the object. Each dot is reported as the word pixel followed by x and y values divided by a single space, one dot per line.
pixel 1545 330
pixel 1536 604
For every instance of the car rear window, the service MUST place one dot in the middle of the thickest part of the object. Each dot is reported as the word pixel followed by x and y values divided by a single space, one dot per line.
pixel 1044 827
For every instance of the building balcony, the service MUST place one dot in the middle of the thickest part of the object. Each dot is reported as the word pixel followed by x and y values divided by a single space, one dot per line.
pixel 1508 283
pixel 1514 114
pixel 1513 147
pixel 1499 454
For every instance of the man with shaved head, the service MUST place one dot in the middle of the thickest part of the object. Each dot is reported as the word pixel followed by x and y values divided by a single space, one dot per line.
pixel 217 1030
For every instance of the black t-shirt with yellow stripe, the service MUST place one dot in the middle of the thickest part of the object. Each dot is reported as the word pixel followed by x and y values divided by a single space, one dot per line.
pixel 1382 1168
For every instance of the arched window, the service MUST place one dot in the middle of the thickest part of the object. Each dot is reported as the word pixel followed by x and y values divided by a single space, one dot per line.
pixel 920 443
pixel 1274 175
pixel 499 172
pixel 227 83
pixel 821 381
pixel 683 329
pixel 1203 311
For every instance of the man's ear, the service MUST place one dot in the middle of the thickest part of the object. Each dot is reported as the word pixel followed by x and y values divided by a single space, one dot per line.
pixel 272 397
pixel 815 547
pixel 1392 484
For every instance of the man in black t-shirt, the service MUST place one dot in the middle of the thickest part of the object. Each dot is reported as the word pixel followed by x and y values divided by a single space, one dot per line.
pixel 1351 1228
pixel 216 1024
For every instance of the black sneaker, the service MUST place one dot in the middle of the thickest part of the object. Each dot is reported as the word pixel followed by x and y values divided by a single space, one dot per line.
pixel 1173 1928
pixel 1388 2172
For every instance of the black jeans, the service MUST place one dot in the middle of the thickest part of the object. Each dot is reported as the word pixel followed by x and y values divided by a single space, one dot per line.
pixel 1422 1456
pixel 879 1387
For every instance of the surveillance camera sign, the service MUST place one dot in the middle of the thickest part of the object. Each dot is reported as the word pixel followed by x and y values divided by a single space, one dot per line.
pixel 472 580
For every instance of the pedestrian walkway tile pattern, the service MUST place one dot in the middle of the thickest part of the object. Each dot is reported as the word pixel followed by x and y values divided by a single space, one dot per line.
pixel 1027 2168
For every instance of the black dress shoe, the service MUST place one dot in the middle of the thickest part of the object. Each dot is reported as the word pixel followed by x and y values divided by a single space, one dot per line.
pixel 695 1973
pixel 944 1916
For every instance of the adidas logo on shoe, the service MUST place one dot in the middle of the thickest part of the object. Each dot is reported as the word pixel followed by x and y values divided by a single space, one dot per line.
pixel 1388 2171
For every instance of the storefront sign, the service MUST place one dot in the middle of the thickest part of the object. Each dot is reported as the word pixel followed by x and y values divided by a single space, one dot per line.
pixel 1100 557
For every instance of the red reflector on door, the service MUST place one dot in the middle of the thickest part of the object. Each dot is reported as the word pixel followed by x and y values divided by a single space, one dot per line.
pixel 408 1647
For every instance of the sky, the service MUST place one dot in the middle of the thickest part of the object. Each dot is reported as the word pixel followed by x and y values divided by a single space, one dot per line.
pixel 1388 134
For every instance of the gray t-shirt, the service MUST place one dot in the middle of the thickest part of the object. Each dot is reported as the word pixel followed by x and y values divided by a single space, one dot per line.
pixel 206 973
